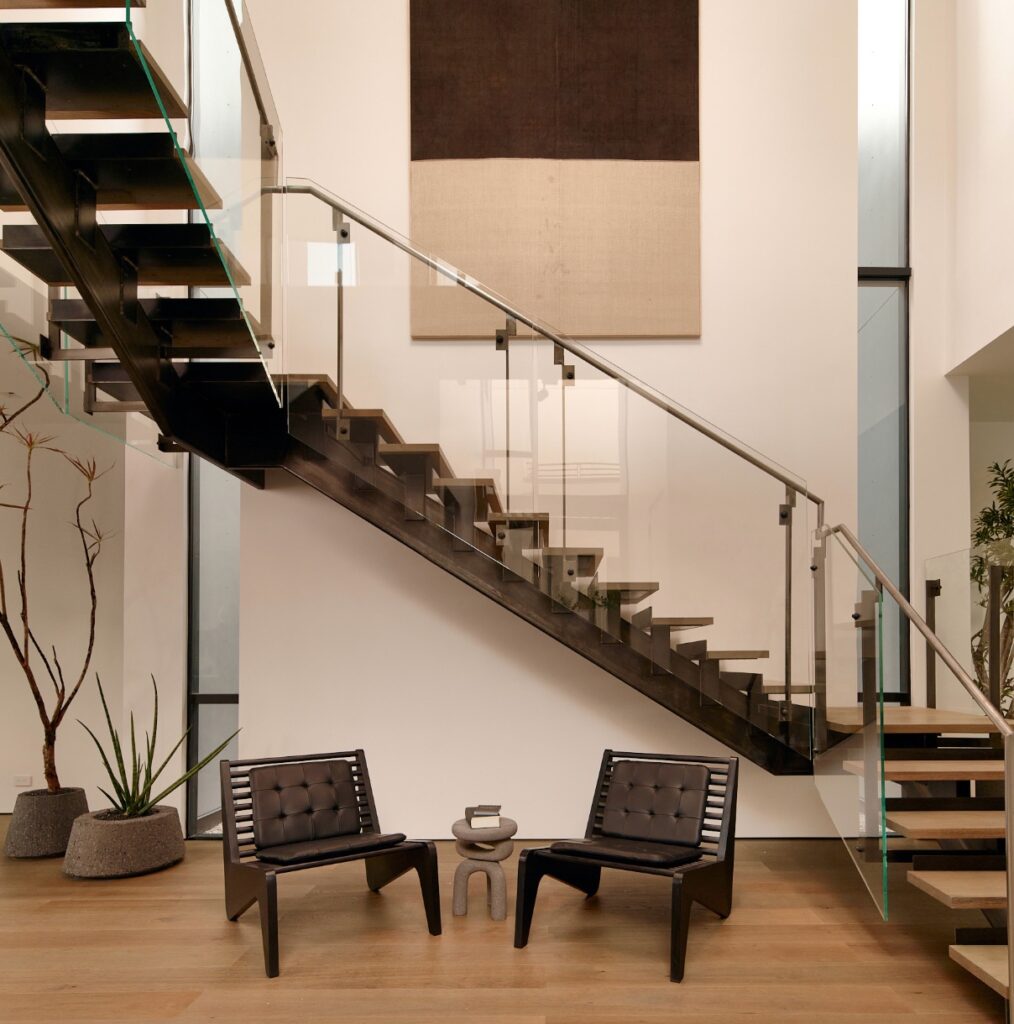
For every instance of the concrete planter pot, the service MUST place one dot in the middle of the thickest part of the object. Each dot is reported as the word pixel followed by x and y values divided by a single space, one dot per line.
pixel 105 847
pixel 41 823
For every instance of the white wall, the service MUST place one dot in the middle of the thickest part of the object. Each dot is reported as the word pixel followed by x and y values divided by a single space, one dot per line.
pixel 366 630
pixel 939 405
pixel 984 236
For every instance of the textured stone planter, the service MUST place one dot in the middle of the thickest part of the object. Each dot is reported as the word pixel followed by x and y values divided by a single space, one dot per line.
pixel 41 823
pixel 103 847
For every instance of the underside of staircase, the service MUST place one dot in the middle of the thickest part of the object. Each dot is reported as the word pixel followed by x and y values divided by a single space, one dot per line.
pixel 145 354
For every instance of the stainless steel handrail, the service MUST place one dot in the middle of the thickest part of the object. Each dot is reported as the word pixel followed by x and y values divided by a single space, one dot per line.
pixel 992 713
pixel 462 279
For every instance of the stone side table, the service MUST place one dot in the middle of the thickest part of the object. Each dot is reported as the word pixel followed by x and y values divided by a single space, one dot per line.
pixel 483 850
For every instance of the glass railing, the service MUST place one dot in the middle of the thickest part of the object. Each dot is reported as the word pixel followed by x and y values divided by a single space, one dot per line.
pixel 910 774
pixel 970 604
pixel 201 63
pixel 661 531
pixel 849 766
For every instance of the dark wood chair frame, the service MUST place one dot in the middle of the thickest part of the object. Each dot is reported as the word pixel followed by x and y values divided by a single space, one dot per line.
pixel 249 881
pixel 707 881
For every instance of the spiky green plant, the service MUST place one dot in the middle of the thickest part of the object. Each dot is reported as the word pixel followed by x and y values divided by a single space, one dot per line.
pixel 131 796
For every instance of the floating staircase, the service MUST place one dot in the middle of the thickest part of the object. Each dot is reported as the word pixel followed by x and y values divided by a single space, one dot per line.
pixel 197 365
pixel 108 208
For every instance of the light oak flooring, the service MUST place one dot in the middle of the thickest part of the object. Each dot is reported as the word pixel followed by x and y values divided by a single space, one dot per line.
pixel 804 943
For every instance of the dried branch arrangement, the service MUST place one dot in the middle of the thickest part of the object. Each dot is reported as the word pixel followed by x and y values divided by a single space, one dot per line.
pixel 44 671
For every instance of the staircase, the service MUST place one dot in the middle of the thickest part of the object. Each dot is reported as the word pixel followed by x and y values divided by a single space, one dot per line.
pixel 162 278
pixel 159 311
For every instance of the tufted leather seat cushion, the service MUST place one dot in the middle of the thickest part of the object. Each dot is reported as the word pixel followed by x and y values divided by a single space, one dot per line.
pixel 657 801
pixel 628 851
pixel 337 846
pixel 303 802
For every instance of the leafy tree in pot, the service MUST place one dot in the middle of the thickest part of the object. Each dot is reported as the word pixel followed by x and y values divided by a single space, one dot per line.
pixel 993 544
pixel 15 619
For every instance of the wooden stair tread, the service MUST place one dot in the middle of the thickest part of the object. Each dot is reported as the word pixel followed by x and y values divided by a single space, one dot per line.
pixel 164 254
pixel 576 563
pixel 131 171
pixel 935 771
pixel 518 518
pixel 772 687
pixel 386 430
pixel 482 487
pixel 987 963
pixel 947 824
pixel 199 328
pixel 912 720
pixel 411 456
pixel 678 622
pixel 959 890
pixel 745 655
pixel 91 69
pixel 627 591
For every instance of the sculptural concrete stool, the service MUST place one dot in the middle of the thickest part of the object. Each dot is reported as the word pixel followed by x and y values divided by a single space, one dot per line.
pixel 483 850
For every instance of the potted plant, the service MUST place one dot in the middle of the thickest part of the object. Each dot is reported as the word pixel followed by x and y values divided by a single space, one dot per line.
pixel 42 818
pixel 137 834
pixel 993 544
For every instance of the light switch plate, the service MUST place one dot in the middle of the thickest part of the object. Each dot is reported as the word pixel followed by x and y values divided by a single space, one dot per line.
pixel 22 781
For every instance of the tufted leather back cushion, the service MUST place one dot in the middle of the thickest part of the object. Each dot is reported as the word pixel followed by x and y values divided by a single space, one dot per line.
pixel 293 803
pixel 661 801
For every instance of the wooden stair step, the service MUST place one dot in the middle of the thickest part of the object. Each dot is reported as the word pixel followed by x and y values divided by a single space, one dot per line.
pixel 678 623
pixel 164 254
pixel 571 563
pixel 131 171
pixel 623 592
pixel 501 522
pixel 947 824
pixel 739 655
pixel 193 328
pixel 911 720
pixel 930 770
pixel 90 69
pixel 482 490
pixel 960 890
pixel 987 963
pixel 376 419
pixel 415 460
pixel 773 688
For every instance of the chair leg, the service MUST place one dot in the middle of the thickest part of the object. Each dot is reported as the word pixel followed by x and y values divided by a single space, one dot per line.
pixel 530 872
pixel 583 877
pixel 681 905
pixel 241 891
pixel 267 903
pixel 383 869
pixel 429 882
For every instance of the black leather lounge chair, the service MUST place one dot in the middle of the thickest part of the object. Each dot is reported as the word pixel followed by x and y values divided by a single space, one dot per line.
pixel 658 814
pixel 286 814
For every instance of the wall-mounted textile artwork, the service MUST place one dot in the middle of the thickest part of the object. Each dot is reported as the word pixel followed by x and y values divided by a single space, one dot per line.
pixel 555 158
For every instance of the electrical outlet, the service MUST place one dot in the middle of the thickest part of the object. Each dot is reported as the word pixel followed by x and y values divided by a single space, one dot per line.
pixel 22 781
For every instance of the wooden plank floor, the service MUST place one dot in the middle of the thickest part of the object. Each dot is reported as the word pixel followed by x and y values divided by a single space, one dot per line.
pixel 804 943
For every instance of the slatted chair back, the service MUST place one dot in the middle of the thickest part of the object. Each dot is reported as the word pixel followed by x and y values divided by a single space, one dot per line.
pixel 237 798
pixel 719 813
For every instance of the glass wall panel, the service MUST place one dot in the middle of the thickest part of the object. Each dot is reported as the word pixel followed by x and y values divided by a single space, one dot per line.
pixel 883 453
